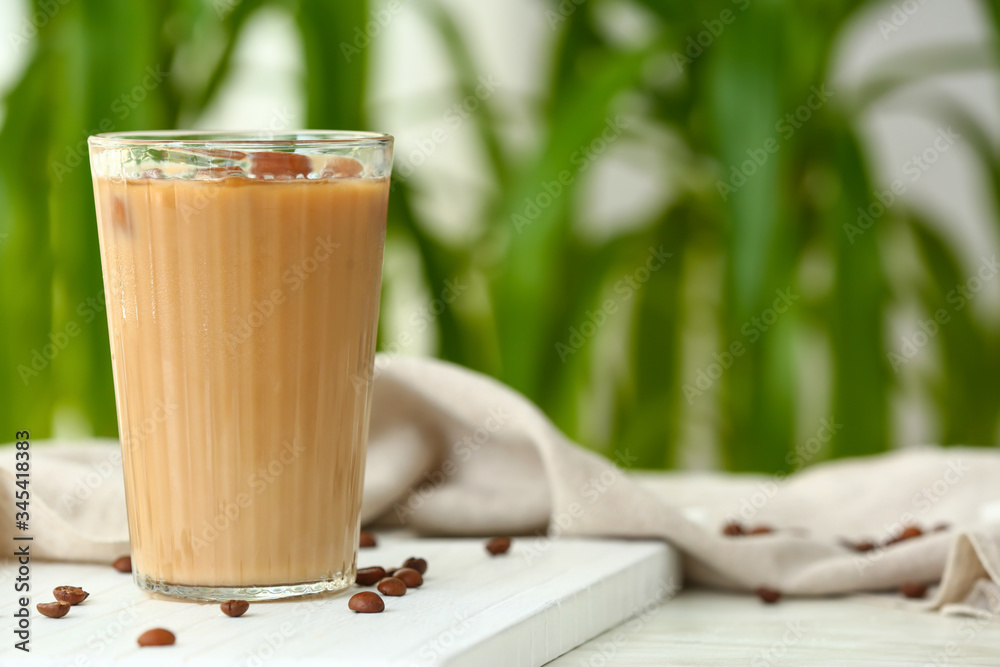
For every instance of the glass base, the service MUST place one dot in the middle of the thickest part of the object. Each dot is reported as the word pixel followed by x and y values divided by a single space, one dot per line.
pixel 223 593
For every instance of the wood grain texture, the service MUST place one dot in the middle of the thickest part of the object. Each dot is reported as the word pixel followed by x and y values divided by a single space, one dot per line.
pixel 704 628
pixel 524 608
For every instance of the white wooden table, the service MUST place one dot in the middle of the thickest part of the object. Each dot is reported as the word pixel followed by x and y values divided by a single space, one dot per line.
pixel 526 607
pixel 534 605
pixel 709 628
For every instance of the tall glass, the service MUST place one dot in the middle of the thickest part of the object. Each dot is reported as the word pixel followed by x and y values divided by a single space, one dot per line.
pixel 242 274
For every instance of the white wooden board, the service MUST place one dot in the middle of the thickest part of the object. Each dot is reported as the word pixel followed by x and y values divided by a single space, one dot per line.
pixel 525 608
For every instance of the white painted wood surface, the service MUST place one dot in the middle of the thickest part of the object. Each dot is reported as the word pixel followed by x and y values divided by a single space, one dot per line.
pixel 702 628
pixel 525 608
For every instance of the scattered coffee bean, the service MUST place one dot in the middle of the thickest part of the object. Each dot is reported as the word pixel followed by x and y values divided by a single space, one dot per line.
pixel 392 586
pixel 367 540
pixel 861 546
pixel 70 594
pixel 409 576
pixel 913 590
pixel 234 608
pixel 768 595
pixel 366 603
pixel 761 530
pixel 418 564
pixel 280 165
pixel 53 609
pixel 392 572
pixel 368 576
pixel 156 637
pixel 123 564
pixel 498 545
pixel 732 529
pixel 908 533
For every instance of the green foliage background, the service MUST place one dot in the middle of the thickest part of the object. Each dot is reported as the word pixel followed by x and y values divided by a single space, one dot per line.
pixel 538 281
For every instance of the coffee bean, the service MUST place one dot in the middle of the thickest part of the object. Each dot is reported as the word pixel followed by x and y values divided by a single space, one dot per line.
pixel 862 546
pixel 761 530
pixel 53 609
pixel 392 572
pixel 768 595
pixel 941 527
pixel 914 590
pixel 732 529
pixel 70 594
pixel 368 576
pixel 367 540
pixel 156 637
pixel 498 545
pixel 123 564
pixel 908 534
pixel 366 603
pixel 392 586
pixel 409 576
pixel 234 608
pixel 280 165
pixel 418 564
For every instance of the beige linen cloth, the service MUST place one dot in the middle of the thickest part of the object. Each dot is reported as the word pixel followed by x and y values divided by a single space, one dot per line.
pixel 455 453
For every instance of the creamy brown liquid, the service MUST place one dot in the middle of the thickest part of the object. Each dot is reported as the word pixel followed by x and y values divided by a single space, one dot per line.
pixel 242 315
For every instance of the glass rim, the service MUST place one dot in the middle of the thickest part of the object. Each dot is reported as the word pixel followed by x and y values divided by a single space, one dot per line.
pixel 255 139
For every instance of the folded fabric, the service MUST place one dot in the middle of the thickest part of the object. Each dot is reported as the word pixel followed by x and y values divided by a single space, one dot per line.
pixel 452 452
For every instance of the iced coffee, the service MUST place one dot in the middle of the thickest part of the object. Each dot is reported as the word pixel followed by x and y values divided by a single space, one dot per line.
pixel 242 277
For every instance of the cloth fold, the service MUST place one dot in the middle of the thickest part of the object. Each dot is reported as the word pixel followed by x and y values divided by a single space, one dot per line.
pixel 452 452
